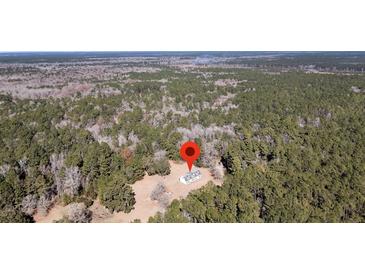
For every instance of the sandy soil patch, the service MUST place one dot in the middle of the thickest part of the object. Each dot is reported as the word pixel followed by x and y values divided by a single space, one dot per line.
pixel 144 207
pixel 56 213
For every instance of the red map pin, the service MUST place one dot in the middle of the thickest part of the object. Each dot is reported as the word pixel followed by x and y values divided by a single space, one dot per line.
pixel 190 152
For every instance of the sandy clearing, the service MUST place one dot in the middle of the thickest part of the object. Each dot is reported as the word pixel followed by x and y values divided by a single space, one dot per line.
pixel 144 207
pixel 56 213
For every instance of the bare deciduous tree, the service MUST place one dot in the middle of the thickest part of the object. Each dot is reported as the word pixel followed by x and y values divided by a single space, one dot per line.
pixel 72 182
pixel 160 194
pixel 57 163
pixel 121 139
pixel 159 155
pixel 164 201
pixel 78 213
pixel 29 204
pixel 44 204
pixel 198 131
pixel 4 169
pixel 217 171
pixel 23 165
pixel 133 138
pixel 210 155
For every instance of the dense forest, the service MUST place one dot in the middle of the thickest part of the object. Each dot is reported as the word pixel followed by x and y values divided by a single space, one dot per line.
pixel 292 142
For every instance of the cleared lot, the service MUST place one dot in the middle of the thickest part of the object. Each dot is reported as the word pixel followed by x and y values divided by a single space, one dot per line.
pixel 145 206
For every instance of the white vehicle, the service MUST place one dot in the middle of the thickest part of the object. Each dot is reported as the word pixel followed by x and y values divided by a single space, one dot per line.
pixel 191 177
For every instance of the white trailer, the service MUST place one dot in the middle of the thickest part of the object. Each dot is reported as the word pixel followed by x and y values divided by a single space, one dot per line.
pixel 191 177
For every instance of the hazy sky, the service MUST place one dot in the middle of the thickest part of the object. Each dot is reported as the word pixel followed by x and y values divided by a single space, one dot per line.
pixel 181 25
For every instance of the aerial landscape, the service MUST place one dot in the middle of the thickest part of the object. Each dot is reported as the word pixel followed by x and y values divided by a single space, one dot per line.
pixel 95 137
